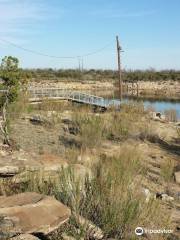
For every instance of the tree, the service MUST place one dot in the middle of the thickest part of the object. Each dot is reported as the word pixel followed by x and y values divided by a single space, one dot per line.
pixel 10 74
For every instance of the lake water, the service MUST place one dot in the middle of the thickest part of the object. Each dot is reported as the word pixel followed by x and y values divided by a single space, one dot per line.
pixel 159 105
pixel 162 106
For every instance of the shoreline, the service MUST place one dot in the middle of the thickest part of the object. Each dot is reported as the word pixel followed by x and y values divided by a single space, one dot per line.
pixel 148 90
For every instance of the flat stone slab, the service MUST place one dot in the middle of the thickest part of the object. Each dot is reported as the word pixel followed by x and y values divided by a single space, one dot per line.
pixel 31 213
pixel 20 200
pixel 14 164
pixel 25 237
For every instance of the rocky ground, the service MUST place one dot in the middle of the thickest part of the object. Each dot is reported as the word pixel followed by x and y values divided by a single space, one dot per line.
pixel 168 89
pixel 161 88
pixel 42 141
pixel 74 85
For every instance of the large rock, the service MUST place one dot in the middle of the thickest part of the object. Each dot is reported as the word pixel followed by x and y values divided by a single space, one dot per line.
pixel 16 162
pixel 177 177
pixel 46 166
pixel 46 173
pixel 30 213
pixel 157 116
pixel 20 200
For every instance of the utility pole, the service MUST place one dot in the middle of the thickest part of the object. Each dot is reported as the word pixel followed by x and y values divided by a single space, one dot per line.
pixel 119 67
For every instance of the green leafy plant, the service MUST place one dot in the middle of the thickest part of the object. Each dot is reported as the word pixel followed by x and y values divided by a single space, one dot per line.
pixel 10 74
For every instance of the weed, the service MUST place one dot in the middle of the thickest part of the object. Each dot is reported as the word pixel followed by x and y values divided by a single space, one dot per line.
pixel 171 115
pixel 71 154
pixel 90 129
pixel 178 132
pixel 167 170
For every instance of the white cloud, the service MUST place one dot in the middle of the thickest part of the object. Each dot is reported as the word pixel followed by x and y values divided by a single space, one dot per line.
pixel 19 17
pixel 16 11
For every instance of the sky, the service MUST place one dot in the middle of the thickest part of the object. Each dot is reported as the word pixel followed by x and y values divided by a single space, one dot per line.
pixel 149 33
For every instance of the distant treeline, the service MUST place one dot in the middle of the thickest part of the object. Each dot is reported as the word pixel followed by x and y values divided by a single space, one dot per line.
pixel 101 75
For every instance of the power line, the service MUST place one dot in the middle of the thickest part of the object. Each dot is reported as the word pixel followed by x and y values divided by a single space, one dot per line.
pixel 52 56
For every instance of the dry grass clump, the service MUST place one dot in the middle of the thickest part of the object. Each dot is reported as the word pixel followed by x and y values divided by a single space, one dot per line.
pixel 117 126
pixel 85 157
pixel 130 121
pixel 167 169
pixel 171 115
pixel 60 106
pixel 49 105
pixel 133 108
pixel 112 200
pixel 16 109
pixel 114 125
pixel 72 154
pixel 178 132
pixel 90 128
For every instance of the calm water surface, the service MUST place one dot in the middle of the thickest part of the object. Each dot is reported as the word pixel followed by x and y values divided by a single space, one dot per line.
pixel 158 104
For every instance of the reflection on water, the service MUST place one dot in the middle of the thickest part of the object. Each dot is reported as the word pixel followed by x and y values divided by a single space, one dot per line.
pixel 160 105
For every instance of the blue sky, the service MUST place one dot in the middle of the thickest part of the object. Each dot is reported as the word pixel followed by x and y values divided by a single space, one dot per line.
pixel 149 31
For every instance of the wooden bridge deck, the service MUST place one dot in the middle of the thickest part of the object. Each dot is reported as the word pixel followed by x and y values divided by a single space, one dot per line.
pixel 38 94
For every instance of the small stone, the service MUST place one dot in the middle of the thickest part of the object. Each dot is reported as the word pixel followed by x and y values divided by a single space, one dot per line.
pixel 9 171
pixel 164 197
pixel 147 194
pixel 167 198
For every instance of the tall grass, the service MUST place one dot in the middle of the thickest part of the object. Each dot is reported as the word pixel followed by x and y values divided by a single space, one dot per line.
pixel 17 108
pixel 112 200
pixel 90 129
pixel 167 170
pixel 113 125
pixel 178 132
pixel 171 115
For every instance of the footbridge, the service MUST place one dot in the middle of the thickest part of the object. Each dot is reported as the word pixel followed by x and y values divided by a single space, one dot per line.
pixel 38 94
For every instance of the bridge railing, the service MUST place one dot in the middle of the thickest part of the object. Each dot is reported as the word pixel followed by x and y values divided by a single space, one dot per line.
pixel 40 93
